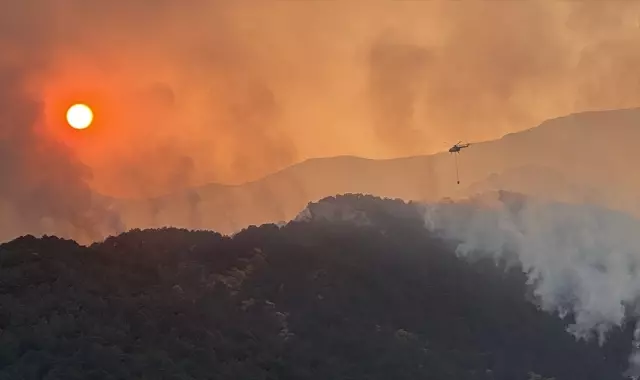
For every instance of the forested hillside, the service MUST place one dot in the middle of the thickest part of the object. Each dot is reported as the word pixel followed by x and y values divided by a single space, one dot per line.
pixel 315 299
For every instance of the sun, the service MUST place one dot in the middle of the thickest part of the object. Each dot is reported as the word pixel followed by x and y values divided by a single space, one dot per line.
pixel 79 116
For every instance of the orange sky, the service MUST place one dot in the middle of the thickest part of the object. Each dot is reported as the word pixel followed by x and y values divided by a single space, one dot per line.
pixel 228 92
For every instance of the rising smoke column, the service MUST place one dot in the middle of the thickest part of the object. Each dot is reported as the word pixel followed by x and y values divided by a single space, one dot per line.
pixel 580 259
pixel 396 74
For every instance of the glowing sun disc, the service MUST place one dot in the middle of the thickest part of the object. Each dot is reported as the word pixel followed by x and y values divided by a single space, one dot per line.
pixel 79 116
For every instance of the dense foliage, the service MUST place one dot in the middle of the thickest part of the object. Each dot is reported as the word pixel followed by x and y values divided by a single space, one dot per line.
pixel 310 300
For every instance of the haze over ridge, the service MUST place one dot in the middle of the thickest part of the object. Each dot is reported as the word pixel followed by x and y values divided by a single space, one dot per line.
pixel 229 92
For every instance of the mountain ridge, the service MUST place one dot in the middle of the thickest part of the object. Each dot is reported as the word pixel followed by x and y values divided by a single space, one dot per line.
pixel 564 145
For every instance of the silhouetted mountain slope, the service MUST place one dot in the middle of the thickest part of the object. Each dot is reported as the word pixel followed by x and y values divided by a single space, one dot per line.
pixel 594 150
pixel 319 299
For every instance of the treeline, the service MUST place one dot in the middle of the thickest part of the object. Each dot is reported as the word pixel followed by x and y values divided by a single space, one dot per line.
pixel 310 300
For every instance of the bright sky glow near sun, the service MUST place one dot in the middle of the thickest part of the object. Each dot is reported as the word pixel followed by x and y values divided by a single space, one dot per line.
pixel 79 116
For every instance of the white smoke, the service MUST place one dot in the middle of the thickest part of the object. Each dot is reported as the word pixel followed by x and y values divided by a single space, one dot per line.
pixel 580 259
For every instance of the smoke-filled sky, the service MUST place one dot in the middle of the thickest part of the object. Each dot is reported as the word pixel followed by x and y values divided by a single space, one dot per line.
pixel 201 91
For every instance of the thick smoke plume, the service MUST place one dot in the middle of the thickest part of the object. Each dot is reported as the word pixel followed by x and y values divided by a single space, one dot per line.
pixel 582 260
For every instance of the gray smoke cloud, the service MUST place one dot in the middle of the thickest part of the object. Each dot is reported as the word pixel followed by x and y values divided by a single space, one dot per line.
pixel 580 259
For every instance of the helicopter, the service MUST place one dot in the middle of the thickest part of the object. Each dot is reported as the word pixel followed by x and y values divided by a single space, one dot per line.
pixel 459 146
pixel 456 149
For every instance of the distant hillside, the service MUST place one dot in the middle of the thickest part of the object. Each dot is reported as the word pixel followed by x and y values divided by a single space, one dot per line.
pixel 592 154
pixel 320 298
pixel 540 182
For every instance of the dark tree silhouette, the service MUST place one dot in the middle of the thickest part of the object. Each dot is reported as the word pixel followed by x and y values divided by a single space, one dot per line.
pixel 322 299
